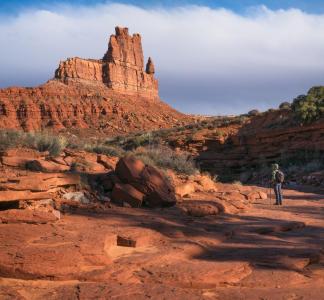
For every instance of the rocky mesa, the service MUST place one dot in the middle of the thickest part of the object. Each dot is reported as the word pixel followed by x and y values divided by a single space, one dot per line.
pixel 115 94
pixel 121 68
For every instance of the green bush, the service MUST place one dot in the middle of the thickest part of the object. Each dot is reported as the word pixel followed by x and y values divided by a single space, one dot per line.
pixel 285 105
pixel 253 112
pixel 305 109
pixel 309 108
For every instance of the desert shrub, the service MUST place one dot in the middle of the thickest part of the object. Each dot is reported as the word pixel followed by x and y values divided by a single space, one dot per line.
pixel 189 138
pixel 163 133
pixel 141 140
pixel 40 141
pixel 133 141
pixel 237 182
pixel 190 126
pixel 166 158
pixel 118 141
pixel 241 119
pixel 219 133
pixel 10 138
pixel 181 128
pixel 104 149
pixel 253 112
pixel 285 105
pixel 204 123
pixel 46 142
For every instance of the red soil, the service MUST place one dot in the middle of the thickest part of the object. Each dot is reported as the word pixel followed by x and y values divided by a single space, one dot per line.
pixel 265 252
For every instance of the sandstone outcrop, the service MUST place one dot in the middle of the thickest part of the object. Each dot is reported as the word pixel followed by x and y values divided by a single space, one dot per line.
pixel 142 184
pixel 165 254
pixel 238 150
pixel 121 69
pixel 113 95
pixel 50 222
pixel 150 69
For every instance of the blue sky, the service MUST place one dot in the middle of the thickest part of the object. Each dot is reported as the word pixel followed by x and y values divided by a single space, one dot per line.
pixel 220 57
pixel 312 6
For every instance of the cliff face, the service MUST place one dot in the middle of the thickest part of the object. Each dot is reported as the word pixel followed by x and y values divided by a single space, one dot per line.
pixel 254 146
pixel 121 69
pixel 244 150
pixel 110 95
pixel 79 69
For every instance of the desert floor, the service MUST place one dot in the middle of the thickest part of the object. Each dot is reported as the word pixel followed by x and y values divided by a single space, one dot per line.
pixel 267 252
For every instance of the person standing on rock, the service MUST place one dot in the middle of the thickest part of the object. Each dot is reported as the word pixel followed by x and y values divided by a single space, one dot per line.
pixel 278 178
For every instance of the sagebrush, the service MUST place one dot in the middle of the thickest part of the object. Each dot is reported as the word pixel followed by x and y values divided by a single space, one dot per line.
pixel 166 158
pixel 41 141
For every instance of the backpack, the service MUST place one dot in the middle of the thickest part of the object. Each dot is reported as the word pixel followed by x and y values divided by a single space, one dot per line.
pixel 280 177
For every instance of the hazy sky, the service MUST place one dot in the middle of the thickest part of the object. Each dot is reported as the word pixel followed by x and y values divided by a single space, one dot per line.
pixel 210 59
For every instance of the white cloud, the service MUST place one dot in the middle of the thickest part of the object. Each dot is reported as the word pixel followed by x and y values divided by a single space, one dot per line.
pixel 224 61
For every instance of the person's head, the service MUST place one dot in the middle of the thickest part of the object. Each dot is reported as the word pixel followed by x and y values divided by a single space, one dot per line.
pixel 275 167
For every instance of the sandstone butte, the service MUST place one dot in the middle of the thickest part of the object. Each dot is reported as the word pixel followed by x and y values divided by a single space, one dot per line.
pixel 115 94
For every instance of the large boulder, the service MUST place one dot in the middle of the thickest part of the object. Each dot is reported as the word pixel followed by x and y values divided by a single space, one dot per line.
pixel 156 187
pixel 129 169
pixel 154 180
pixel 160 198
pixel 125 193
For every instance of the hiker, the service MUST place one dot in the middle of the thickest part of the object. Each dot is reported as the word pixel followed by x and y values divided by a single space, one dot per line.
pixel 277 180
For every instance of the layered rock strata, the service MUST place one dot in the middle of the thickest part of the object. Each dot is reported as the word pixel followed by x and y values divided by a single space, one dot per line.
pixel 112 95
pixel 237 151
pixel 121 69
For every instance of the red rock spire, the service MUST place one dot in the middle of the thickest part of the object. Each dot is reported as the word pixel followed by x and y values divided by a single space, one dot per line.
pixel 121 69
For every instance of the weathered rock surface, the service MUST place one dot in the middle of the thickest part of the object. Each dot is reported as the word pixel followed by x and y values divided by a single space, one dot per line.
pixel 114 94
pixel 150 182
pixel 235 151
pixel 40 165
pixel 28 216
pixel 121 69
pixel 59 230
pixel 150 69
pixel 125 193
pixel 77 197
pixel 177 255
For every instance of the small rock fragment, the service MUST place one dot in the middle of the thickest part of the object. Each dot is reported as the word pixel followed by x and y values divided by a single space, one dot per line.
pixel 125 241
